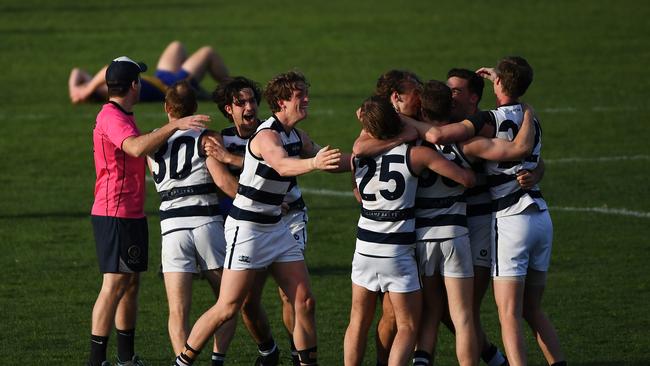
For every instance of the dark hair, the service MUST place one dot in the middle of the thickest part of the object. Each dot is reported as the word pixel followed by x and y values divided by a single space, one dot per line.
pixel 475 83
pixel 379 118
pixel 119 90
pixel 180 99
pixel 282 86
pixel 401 81
pixel 228 92
pixel 436 101
pixel 516 75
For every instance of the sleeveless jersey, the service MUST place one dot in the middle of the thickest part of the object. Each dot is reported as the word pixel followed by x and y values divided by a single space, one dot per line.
pixel 237 145
pixel 186 189
pixel 440 204
pixel 507 197
pixel 261 189
pixel 387 186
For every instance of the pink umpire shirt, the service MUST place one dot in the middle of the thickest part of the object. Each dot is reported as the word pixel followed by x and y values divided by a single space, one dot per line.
pixel 119 188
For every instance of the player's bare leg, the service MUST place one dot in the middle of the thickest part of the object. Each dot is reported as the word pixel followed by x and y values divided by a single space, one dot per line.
pixel 178 286
pixel 223 336
pixel 172 58
pixel 293 278
pixel 362 313
pixel 253 314
pixel 386 330
pixel 459 294
pixel 540 324
pixel 508 294
pixel 408 310
pixel 231 296
pixel 432 287
pixel 205 59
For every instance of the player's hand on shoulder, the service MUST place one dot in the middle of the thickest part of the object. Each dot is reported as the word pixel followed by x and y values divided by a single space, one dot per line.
pixel 196 122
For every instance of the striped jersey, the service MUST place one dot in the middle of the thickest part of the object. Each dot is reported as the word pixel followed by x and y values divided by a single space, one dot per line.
pixel 184 184
pixel 387 186
pixel 507 196
pixel 440 204
pixel 261 189
pixel 237 145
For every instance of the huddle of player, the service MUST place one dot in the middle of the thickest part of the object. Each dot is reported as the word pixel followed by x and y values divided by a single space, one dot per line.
pixel 449 199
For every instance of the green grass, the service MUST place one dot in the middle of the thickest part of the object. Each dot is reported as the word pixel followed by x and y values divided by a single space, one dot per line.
pixel 590 89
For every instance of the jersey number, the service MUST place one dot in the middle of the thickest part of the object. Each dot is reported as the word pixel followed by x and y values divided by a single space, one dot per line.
pixel 174 173
pixel 385 175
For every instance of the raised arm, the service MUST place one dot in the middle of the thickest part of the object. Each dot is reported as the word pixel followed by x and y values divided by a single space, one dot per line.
pixel 424 157
pixel 148 143
pixel 365 145
pixel 453 132
pixel 268 145
pixel 497 149
pixel 213 146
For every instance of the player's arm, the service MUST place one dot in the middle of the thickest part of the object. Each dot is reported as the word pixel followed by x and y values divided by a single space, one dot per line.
pixel 527 179
pixel 365 145
pixel 310 148
pixel 355 189
pixel 213 146
pixel 138 146
pixel 497 149
pixel 268 145
pixel 424 157
pixel 218 170
pixel 452 132
pixel 222 177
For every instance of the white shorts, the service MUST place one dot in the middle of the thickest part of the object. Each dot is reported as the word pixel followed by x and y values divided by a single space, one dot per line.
pixel 522 241
pixel 296 220
pixel 451 257
pixel 480 239
pixel 382 274
pixel 202 248
pixel 257 246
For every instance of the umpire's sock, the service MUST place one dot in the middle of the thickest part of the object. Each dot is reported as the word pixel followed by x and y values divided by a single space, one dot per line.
pixel 125 344
pixel 421 358
pixel 218 359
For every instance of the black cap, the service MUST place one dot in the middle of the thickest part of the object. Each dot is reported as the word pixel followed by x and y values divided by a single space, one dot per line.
pixel 123 71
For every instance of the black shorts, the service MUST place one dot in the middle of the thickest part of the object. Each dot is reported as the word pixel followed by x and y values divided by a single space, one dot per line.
pixel 122 244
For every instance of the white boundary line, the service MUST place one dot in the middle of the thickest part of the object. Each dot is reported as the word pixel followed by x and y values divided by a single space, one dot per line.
pixel 601 210
pixel 598 159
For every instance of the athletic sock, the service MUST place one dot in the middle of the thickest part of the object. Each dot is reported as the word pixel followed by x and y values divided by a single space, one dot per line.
pixel 267 347
pixel 421 358
pixel 492 356
pixel 218 359
pixel 379 363
pixel 308 356
pixel 125 344
pixel 559 363
pixel 97 350
pixel 184 359
pixel 295 360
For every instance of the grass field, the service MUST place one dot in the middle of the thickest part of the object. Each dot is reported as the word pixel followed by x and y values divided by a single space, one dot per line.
pixel 591 91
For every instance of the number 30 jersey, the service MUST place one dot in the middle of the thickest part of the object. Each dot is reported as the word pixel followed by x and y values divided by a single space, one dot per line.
pixel 387 186
pixel 187 191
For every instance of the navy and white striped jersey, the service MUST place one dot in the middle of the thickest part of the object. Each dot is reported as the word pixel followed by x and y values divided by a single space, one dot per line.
pixel 235 144
pixel 261 189
pixel 440 204
pixel 185 186
pixel 387 186
pixel 507 196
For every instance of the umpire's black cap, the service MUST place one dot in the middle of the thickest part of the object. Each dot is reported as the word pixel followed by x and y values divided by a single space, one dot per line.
pixel 122 71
